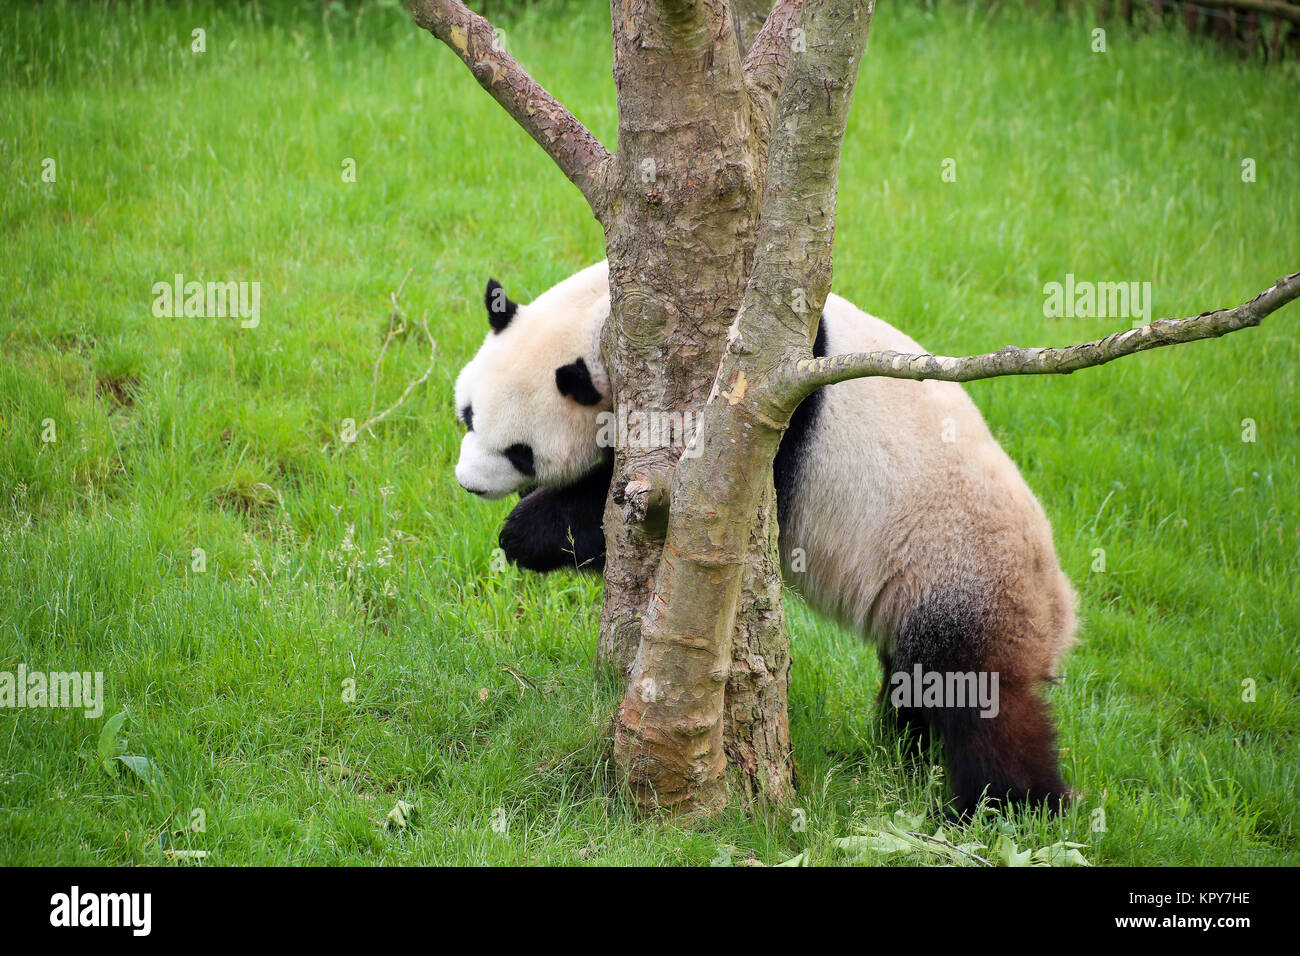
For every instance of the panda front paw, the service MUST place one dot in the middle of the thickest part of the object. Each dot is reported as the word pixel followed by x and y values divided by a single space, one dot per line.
pixel 539 535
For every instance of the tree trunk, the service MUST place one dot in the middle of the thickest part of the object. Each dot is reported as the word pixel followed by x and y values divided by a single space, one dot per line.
pixel 679 203
pixel 680 247
pixel 718 577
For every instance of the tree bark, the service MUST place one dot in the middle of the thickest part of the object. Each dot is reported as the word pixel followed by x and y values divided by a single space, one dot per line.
pixel 679 241
pixel 679 205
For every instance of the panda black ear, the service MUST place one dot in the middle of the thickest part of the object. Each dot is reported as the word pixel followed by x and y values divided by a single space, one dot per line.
pixel 574 379
pixel 499 307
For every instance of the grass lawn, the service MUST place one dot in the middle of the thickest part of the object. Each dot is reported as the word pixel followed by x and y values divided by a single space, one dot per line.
pixel 332 571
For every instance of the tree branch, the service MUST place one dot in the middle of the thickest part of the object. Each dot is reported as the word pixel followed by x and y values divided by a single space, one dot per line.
pixel 803 376
pixel 793 259
pixel 768 59
pixel 578 153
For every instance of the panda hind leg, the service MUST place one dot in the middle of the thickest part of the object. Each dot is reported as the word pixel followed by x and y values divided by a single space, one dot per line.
pixel 1005 753
pixel 907 723
pixel 1011 759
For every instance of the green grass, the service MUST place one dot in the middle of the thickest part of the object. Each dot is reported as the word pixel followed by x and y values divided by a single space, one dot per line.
pixel 177 434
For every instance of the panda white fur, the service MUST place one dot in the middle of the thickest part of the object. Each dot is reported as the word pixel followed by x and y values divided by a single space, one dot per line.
pixel 900 516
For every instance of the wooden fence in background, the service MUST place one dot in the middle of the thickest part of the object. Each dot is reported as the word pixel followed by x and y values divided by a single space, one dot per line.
pixel 1267 28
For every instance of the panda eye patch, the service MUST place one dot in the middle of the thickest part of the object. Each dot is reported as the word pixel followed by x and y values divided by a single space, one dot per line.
pixel 521 456
pixel 467 416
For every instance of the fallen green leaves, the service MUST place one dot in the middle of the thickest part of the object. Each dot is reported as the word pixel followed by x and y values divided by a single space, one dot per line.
pixel 110 747
pixel 902 835
pixel 401 816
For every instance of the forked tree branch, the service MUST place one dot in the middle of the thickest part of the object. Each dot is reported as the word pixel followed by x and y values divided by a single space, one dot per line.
pixel 578 153
pixel 805 375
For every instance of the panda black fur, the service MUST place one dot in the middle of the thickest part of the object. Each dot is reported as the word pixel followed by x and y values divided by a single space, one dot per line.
pixel 553 528
pixel 909 522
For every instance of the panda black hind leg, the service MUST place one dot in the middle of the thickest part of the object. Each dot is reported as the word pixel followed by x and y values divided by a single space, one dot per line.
pixel 907 722
pixel 1005 753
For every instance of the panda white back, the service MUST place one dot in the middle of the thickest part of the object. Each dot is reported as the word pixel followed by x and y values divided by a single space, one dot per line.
pixel 904 496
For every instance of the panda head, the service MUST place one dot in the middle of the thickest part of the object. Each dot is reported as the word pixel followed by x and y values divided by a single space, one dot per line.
pixel 529 399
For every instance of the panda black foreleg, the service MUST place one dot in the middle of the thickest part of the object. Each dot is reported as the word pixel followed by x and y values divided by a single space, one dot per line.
pixel 554 528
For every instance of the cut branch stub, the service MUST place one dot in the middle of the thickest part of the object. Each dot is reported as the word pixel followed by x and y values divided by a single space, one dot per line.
pixel 644 501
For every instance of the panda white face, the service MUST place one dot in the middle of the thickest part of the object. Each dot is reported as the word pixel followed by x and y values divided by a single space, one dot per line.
pixel 530 397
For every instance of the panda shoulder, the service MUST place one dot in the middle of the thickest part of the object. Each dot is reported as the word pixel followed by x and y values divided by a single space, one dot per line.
pixel 849 329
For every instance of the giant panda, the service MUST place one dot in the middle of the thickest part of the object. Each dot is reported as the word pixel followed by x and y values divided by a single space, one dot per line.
pixel 900 516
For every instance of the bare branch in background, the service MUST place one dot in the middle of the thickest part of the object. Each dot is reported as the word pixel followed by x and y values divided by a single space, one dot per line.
pixel 397 325
pixel 578 153
pixel 1277 8
pixel 750 15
